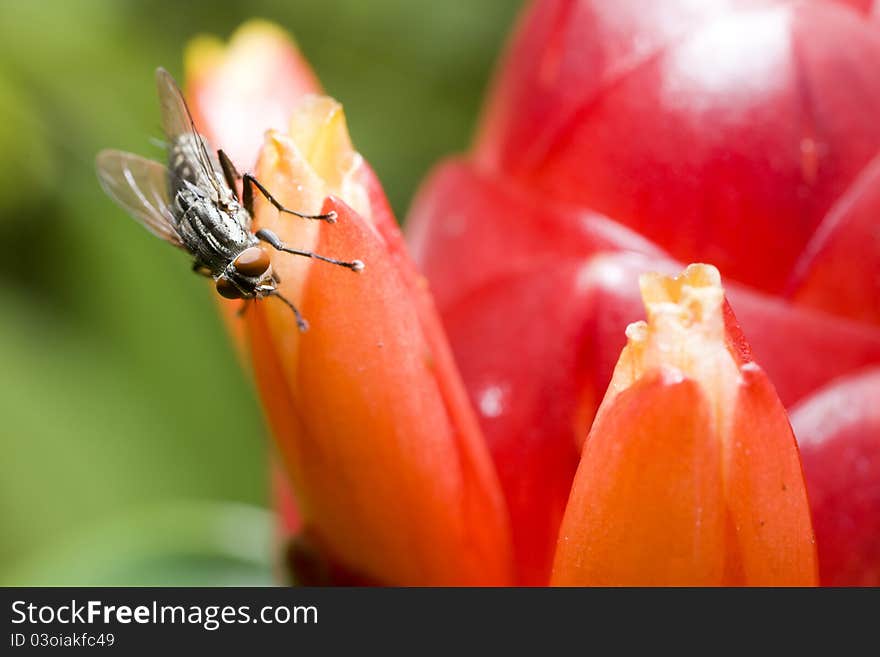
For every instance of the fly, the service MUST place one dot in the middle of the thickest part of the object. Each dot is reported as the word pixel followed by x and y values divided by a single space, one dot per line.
pixel 193 204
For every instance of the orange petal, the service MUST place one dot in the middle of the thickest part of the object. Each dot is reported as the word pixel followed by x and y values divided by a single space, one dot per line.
pixel 384 453
pixel 690 474
pixel 765 491
pixel 646 507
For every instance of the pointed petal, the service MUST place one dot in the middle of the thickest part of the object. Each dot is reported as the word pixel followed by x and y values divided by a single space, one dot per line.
pixel 646 507
pixel 392 472
pixel 765 491
pixel 238 91
pixel 719 449
pixel 383 450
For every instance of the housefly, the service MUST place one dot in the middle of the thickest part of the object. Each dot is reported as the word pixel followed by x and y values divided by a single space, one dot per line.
pixel 193 204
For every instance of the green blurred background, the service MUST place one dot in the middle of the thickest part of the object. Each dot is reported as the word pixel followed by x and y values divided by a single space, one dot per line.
pixel 132 450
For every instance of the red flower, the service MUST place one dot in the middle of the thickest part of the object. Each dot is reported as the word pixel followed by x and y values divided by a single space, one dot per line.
pixel 620 137
pixel 617 141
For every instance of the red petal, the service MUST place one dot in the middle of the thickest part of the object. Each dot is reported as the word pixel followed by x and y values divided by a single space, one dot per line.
pixel 724 141
pixel 801 349
pixel 840 270
pixel 285 504
pixel 467 228
pixel 866 7
pixel 565 54
pixel 838 430
pixel 562 320
pixel 523 362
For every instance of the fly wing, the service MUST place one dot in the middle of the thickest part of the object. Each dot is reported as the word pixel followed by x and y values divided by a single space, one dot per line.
pixel 177 122
pixel 176 119
pixel 140 188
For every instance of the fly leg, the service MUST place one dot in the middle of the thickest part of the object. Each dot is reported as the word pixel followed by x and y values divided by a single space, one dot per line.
pixel 273 240
pixel 230 173
pixel 248 193
pixel 301 323
pixel 200 269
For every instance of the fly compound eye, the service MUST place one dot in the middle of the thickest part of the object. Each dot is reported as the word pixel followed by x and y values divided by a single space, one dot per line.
pixel 227 289
pixel 252 262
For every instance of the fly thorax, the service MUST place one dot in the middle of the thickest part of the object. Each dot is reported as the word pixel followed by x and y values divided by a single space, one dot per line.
pixel 213 235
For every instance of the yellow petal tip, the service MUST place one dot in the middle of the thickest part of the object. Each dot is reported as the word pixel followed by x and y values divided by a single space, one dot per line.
pixel 206 52
pixel 695 296
pixel 203 53
pixel 684 332
pixel 260 28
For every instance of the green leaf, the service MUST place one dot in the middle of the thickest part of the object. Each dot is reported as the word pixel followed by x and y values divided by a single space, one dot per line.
pixel 179 544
